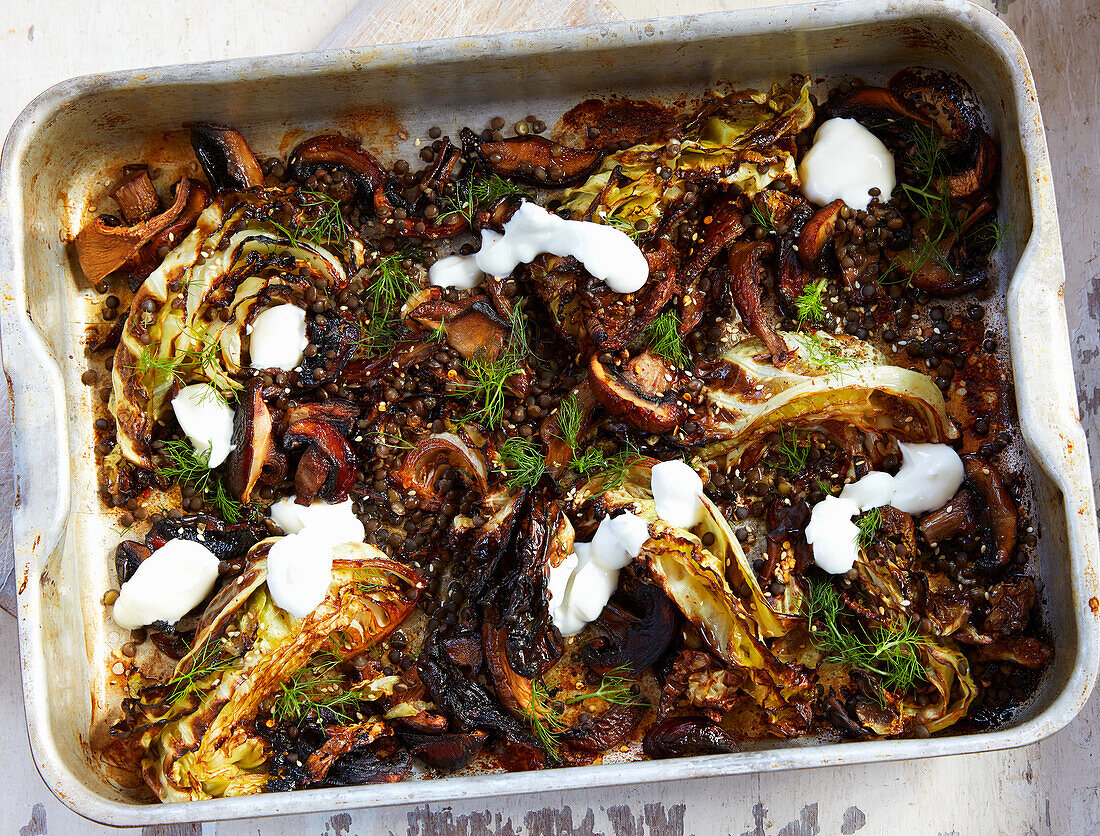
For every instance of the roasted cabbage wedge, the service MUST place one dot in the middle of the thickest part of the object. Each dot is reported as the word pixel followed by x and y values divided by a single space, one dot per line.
pixel 199 730
pixel 228 268
pixel 743 150
pixel 700 580
pixel 829 380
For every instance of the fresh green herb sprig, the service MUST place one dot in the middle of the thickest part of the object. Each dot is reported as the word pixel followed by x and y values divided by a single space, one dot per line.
pixel 623 225
pixel 202 354
pixel 488 378
pixel 825 354
pixel 209 660
pixel 869 525
pixel 593 460
pixel 547 722
pixel 761 216
pixel 794 451
pixel 308 691
pixel 810 303
pixel 479 191
pixel 185 465
pixel 326 224
pixel 665 339
pixel 523 462
pixel 386 287
pixel 892 655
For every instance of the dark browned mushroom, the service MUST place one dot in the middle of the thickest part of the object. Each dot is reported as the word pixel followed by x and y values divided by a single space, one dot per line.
pixel 1020 650
pixel 145 261
pixel 472 325
pixel 228 541
pixel 128 556
pixel 678 737
pixel 327 468
pixel 136 195
pixel 449 752
pixel 942 97
pixel 958 516
pixel 1010 604
pixel 643 392
pixel 1000 510
pixel 818 232
pixel 878 106
pixel 726 226
pixel 226 159
pixel 102 248
pixel 979 174
pixel 337 411
pixel 746 284
pixel 512 689
pixel 533 159
pixel 332 152
pixel 254 446
pixel 605 731
pixel 638 623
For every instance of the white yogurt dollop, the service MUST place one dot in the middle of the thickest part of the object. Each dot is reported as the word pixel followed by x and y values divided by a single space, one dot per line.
pixel 607 253
pixel 278 338
pixel 335 523
pixel 459 271
pixel 930 475
pixel 167 585
pixel 846 162
pixel 582 583
pixel 676 493
pixel 299 572
pixel 206 419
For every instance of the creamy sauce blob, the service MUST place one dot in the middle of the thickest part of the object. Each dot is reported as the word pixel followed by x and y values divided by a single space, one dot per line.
pixel 607 253
pixel 582 583
pixel 207 420
pixel 167 585
pixel 278 338
pixel 846 161
pixel 459 271
pixel 930 475
pixel 677 491
pixel 299 572
pixel 335 522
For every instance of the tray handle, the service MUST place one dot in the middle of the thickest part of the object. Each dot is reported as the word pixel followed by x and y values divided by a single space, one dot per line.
pixel 1050 418
pixel 39 440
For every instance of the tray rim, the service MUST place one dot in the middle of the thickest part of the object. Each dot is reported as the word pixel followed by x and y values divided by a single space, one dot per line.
pixel 38 530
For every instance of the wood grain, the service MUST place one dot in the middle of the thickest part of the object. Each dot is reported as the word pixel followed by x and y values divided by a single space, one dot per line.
pixel 1050 788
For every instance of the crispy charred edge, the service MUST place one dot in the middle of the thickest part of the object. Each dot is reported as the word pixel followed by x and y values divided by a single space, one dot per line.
pixel 101 249
pixel 678 737
pixel 473 705
pixel 518 158
pixel 533 644
pixel 255 457
pixel 648 410
pixel 418 471
pixel 226 159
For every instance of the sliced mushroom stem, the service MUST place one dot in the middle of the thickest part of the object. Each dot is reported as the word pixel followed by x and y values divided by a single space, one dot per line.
pixel 225 157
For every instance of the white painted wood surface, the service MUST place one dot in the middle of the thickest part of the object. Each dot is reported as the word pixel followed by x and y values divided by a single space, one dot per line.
pixel 1050 788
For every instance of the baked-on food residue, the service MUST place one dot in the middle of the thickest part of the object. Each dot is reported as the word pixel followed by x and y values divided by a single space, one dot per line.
pixel 536 455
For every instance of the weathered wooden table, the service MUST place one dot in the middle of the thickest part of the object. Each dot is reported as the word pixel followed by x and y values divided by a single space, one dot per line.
pixel 1050 788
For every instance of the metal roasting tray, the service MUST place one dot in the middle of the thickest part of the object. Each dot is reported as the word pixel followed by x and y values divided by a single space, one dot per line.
pixel 64 149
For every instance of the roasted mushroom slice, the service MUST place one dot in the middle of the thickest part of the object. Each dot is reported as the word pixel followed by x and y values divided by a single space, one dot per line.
pixel 643 392
pixel 679 737
pixel 533 159
pixel 746 284
pixel 333 151
pixel 636 635
pixel 225 157
pixel 327 468
pixel 136 195
pixel 253 445
pixel 1000 510
pixel 818 232
pixel 447 751
pixel 102 248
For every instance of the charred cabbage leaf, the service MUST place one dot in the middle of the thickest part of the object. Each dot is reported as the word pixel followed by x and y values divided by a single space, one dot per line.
pixel 198 731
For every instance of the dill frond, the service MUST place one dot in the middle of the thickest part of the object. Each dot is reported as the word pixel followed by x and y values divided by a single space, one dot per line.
pixel 479 191
pixel 327 224
pixel 893 655
pixel 185 465
pixel 488 378
pixel 569 419
pixel 523 462
pixel 665 339
pixel 623 225
pixel 206 662
pixel 825 354
pixel 794 451
pixel 869 524
pixel 616 687
pixel 761 216
pixel 810 303
pixel 385 289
